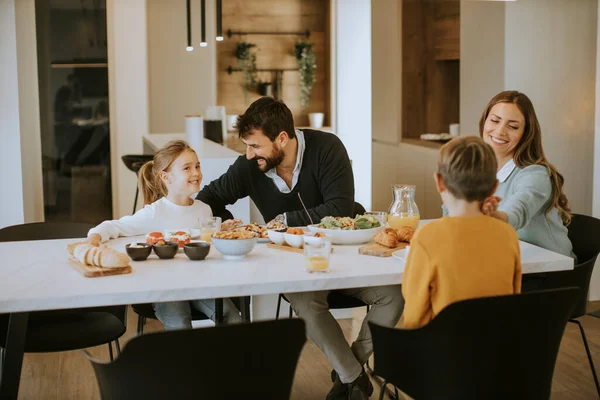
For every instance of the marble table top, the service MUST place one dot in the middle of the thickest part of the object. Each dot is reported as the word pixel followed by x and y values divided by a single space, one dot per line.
pixel 36 276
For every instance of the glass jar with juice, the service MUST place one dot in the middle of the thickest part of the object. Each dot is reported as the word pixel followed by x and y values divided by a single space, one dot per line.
pixel 208 226
pixel 404 210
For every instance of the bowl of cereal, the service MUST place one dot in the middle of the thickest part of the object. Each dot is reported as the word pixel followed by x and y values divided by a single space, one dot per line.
pixel 234 244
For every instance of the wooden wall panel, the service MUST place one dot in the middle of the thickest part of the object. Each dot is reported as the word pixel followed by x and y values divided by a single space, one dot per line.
pixel 430 66
pixel 275 51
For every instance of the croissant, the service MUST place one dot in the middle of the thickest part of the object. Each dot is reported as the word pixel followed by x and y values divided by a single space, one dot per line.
pixel 387 237
pixel 103 257
pixel 405 234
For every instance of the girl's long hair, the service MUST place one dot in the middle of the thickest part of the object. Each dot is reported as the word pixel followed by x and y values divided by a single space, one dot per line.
pixel 529 151
pixel 150 184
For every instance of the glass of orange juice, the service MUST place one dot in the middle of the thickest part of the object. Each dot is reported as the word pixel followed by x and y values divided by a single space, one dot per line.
pixel 317 255
pixel 208 226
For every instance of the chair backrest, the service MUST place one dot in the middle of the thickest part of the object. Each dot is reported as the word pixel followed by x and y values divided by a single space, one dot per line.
pixel 584 233
pixel 358 209
pixel 501 347
pixel 254 361
pixel 44 231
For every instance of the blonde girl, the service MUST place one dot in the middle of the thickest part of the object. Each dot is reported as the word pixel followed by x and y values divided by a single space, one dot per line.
pixel 167 184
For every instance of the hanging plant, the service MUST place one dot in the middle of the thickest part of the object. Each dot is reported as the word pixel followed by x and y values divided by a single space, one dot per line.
pixel 246 61
pixel 307 64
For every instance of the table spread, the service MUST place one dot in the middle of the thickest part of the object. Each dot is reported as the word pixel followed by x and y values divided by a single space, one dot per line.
pixel 36 276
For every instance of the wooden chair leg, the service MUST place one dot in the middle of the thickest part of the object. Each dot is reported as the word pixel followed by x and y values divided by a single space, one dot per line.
pixel 118 347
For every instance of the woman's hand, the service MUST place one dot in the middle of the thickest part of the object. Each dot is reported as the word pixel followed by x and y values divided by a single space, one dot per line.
pixel 231 224
pixel 490 205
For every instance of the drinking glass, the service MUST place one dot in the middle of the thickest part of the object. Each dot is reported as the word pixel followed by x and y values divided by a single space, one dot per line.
pixel 208 226
pixel 317 255
pixel 381 216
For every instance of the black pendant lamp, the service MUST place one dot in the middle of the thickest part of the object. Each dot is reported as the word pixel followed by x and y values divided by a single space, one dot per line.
pixel 189 27
pixel 219 37
pixel 203 42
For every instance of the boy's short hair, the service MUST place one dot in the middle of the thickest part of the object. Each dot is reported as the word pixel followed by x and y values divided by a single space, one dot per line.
pixel 270 116
pixel 468 166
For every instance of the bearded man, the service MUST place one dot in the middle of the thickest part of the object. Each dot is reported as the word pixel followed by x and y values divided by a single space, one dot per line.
pixel 281 165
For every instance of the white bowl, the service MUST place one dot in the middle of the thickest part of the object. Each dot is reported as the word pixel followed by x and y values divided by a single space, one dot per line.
pixel 340 236
pixel 276 236
pixel 234 248
pixel 313 241
pixel 294 240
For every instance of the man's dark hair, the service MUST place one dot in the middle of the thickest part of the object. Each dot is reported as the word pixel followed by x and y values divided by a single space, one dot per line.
pixel 270 116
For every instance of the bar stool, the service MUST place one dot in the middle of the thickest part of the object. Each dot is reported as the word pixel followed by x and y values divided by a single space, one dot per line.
pixel 134 162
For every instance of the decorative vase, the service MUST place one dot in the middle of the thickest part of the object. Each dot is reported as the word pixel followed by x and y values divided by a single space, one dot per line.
pixel 316 120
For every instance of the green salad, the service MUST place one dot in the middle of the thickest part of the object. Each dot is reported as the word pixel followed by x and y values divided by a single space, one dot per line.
pixel 350 224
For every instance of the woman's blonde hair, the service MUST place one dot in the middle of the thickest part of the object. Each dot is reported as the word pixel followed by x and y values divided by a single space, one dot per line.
pixel 529 150
pixel 150 184
pixel 467 166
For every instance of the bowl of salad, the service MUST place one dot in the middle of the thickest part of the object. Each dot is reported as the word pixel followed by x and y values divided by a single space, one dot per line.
pixel 346 230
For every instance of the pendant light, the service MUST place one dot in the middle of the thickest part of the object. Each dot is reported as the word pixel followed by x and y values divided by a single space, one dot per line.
pixel 203 42
pixel 219 37
pixel 189 27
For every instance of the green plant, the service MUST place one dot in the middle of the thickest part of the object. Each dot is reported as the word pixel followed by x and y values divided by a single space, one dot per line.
pixel 307 64
pixel 247 63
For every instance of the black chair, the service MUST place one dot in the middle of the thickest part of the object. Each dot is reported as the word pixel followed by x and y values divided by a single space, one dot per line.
pixel 501 347
pixel 64 330
pixel 584 233
pixel 134 162
pixel 254 361
pixel 145 311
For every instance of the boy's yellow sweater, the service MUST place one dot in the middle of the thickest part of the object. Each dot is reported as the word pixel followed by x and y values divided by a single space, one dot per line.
pixel 458 258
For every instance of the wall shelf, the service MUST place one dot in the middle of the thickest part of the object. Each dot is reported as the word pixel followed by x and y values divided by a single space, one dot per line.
pixel 231 70
pixel 240 33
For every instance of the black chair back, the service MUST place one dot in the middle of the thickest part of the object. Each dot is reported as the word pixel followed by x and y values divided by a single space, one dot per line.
pixel 358 209
pixel 44 231
pixel 254 361
pixel 488 348
pixel 130 159
pixel 584 233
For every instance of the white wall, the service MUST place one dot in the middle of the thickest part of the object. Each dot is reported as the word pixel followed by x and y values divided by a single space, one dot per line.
pixel 353 86
pixel 11 201
pixel 180 82
pixel 29 111
pixel 128 93
pixel 481 59
pixel 550 56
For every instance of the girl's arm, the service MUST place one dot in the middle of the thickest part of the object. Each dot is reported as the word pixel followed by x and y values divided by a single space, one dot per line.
pixel 131 225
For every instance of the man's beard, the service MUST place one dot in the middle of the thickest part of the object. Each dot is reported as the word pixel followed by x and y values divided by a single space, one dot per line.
pixel 271 162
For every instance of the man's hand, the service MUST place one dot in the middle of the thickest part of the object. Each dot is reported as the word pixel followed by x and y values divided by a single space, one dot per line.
pixel 231 224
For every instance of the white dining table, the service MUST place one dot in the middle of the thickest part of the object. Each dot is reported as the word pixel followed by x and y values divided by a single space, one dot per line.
pixel 36 276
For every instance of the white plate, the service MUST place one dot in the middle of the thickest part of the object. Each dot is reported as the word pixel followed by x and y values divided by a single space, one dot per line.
pixel 401 254
pixel 340 236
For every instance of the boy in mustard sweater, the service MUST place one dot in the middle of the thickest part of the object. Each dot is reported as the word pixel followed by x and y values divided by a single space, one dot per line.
pixel 466 254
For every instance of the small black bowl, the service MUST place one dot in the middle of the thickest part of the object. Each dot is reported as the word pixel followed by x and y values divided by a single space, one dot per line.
pixel 166 251
pixel 196 250
pixel 138 253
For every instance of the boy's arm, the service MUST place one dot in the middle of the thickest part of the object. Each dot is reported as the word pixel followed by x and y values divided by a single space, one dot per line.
pixel 416 287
